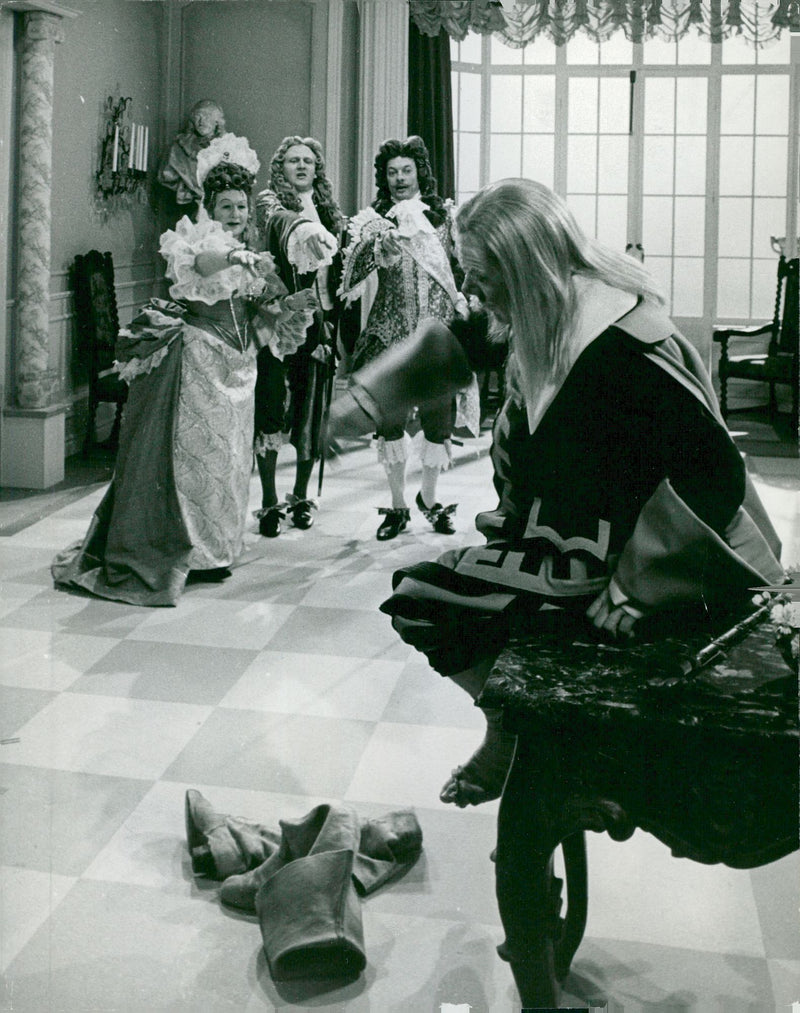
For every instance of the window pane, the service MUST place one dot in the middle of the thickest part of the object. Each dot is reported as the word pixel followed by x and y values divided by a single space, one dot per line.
pixel 501 53
pixel 506 102
pixel 770 169
pixel 735 216
pixel 581 49
pixel 582 164
pixel 539 113
pixel 616 49
pixel 538 158
pixel 777 51
pixel 690 165
pixel 687 295
pixel 614 103
pixel 736 165
pixel 505 156
pixel 736 115
pixel 469 161
pixel 736 49
pixel 660 51
pixel 769 219
pixel 542 50
pixel 661 270
pixel 690 224
pixel 583 105
pixel 694 48
pixel 469 102
pixel 772 104
pixel 691 105
pixel 657 226
pixel 659 105
pixel 733 288
pixel 657 176
pixel 612 164
pixel 469 51
pixel 765 279
pixel 584 208
pixel 612 221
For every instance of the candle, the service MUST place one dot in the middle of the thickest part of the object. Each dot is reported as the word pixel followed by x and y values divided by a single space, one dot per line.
pixel 116 149
pixel 131 146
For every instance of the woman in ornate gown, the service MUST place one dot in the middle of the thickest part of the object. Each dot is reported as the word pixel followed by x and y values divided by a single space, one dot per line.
pixel 177 504
pixel 405 239
pixel 621 495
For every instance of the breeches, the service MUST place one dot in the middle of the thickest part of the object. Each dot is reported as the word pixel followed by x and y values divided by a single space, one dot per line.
pixel 437 420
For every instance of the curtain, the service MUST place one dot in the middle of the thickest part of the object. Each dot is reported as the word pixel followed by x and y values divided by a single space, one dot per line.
pixel 521 21
pixel 430 102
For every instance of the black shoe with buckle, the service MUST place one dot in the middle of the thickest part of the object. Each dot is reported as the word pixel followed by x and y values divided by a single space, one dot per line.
pixel 300 509
pixel 440 517
pixel 269 520
pixel 395 521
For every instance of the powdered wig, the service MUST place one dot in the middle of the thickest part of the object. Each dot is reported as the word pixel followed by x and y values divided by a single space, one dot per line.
pixel 414 148
pixel 322 191
pixel 529 237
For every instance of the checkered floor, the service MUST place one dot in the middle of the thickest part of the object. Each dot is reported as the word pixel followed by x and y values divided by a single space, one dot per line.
pixel 278 689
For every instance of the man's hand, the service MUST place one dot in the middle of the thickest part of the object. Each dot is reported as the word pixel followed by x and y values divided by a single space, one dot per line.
pixel 319 244
pixel 614 619
pixel 389 244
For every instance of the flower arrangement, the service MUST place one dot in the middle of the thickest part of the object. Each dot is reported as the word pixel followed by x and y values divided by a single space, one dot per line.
pixel 784 617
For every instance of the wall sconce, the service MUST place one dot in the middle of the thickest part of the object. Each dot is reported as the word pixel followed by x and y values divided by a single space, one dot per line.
pixel 123 153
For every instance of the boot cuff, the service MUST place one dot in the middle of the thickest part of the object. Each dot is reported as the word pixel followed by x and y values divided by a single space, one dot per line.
pixel 310 918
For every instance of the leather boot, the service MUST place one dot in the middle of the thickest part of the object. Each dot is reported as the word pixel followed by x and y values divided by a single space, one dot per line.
pixel 221 846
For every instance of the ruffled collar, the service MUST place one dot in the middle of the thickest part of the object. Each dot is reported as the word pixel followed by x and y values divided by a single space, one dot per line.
pixel 410 217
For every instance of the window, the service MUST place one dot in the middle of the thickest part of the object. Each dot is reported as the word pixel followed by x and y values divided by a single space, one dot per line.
pixel 678 151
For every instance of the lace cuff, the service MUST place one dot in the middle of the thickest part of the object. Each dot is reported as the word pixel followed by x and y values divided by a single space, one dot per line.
pixel 297 250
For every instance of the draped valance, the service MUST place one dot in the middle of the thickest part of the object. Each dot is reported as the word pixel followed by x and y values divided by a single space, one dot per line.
pixel 518 22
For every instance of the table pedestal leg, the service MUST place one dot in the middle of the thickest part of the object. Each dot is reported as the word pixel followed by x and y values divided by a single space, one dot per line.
pixel 528 895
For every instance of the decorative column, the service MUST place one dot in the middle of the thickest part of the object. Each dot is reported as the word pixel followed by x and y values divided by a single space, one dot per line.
pixel 383 85
pixel 33 431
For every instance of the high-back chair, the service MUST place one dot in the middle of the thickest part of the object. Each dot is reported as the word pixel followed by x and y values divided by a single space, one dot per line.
pixel 98 325
pixel 777 362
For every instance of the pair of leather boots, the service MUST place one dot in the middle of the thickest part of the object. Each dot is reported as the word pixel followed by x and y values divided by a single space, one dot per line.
pixel 305 880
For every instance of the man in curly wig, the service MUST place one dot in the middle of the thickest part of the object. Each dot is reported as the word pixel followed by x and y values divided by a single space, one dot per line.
pixel 405 236
pixel 299 223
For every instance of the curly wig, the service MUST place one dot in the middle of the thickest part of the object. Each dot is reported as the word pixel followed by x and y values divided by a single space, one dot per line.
pixel 412 147
pixel 322 191
pixel 225 176
pixel 228 176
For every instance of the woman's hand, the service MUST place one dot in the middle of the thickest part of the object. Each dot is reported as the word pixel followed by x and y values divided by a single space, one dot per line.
pixel 244 258
pixel 614 619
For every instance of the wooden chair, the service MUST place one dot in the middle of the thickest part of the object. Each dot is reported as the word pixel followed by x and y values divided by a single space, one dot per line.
pixel 98 325
pixel 777 364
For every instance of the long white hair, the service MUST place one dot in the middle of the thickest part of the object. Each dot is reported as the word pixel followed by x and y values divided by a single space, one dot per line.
pixel 531 240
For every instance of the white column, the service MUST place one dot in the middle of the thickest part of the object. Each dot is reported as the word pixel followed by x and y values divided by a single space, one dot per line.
pixel 383 84
pixel 33 432
pixel 333 94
